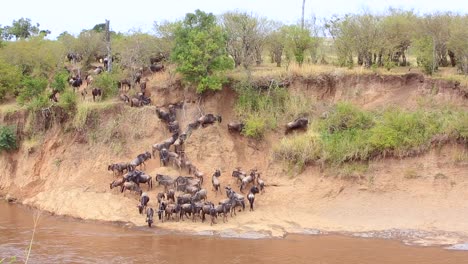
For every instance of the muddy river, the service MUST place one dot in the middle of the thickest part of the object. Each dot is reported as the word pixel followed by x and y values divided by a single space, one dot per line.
pixel 65 240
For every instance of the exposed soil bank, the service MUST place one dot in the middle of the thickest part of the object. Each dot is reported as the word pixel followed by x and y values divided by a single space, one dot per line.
pixel 65 171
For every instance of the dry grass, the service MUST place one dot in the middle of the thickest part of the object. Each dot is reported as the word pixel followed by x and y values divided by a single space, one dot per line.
pixel 10 107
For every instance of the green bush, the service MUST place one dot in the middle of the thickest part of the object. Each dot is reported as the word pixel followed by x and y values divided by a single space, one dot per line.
pixel 31 89
pixel 346 116
pixel 10 77
pixel 38 102
pixel 350 134
pixel 68 101
pixel 7 138
pixel 108 83
pixel 200 51
pixel 255 126
pixel 60 81
pixel 264 109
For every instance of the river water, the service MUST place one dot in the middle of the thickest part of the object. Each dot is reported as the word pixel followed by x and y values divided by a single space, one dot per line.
pixel 65 240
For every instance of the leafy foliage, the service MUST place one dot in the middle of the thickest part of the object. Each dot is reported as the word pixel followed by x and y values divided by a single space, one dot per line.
pixel 32 88
pixel 60 81
pixel 10 78
pixel 200 51
pixel 349 134
pixel 68 100
pixel 7 138
pixel 108 83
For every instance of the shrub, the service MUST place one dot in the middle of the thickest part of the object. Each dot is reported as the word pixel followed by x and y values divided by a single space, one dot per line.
pixel 60 81
pixel 108 83
pixel 81 116
pixel 350 134
pixel 38 102
pixel 31 89
pixel 299 150
pixel 10 77
pixel 68 101
pixel 255 126
pixel 346 116
pixel 7 138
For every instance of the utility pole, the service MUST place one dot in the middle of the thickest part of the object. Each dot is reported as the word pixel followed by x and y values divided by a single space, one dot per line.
pixel 108 45
pixel 302 21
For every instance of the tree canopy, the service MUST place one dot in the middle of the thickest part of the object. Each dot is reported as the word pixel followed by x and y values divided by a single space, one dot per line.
pixel 200 51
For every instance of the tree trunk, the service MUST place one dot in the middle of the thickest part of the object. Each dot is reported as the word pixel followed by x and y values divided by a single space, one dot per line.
pixel 108 46
pixel 453 60
pixel 302 20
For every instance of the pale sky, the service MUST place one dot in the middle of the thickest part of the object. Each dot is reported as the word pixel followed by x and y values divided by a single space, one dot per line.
pixel 73 16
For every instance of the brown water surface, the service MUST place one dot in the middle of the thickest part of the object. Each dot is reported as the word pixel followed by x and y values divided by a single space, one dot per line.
pixel 65 240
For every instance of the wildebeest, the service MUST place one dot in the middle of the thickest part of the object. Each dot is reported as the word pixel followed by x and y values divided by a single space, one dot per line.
pixel 140 159
pixel 157 68
pixel 173 126
pixel 165 144
pixel 185 210
pixel 143 87
pixel 216 184
pixel 237 173
pixel 76 82
pixel 89 80
pixel 139 177
pixel 123 83
pixel 158 58
pixel 144 199
pixel 209 119
pixel 260 183
pixel 149 216
pixel 200 195
pixel 160 197
pixel 299 123
pixel 139 101
pixel 235 199
pixel 164 180
pixel 124 98
pixel 120 168
pixel 96 92
pixel 171 209
pixel 116 183
pixel 246 180
pixel 131 186
pixel 184 198
pixel 74 57
pixel 235 127
pixel 171 195
pixel 53 96
pixel 164 115
pixel 251 196
pixel 163 157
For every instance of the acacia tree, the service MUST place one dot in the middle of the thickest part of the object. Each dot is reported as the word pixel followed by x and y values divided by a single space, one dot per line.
pixel 458 43
pixel 23 29
pixel 200 51
pixel 136 50
pixel 297 41
pixel 397 33
pixel 242 32
pixel 276 42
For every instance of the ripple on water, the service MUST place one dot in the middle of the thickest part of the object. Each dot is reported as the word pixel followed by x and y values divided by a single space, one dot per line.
pixel 463 247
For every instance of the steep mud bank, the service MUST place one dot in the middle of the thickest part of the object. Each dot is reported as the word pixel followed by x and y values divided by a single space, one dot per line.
pixel 64 171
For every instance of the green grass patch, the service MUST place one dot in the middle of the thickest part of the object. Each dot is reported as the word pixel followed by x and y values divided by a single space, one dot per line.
pixel 263 109
pixel 349 134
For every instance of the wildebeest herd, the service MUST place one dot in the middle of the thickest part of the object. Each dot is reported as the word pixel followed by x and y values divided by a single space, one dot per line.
pixel 185 196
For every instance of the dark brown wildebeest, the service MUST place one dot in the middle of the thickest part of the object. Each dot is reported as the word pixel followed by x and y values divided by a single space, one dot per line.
pixel 299 123
pixel 96 92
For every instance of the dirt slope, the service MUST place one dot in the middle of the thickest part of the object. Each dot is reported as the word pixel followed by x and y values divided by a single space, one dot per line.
pixel 66 172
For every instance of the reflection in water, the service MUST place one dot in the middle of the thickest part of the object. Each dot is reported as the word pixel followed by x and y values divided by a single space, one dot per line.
pixel 63 240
